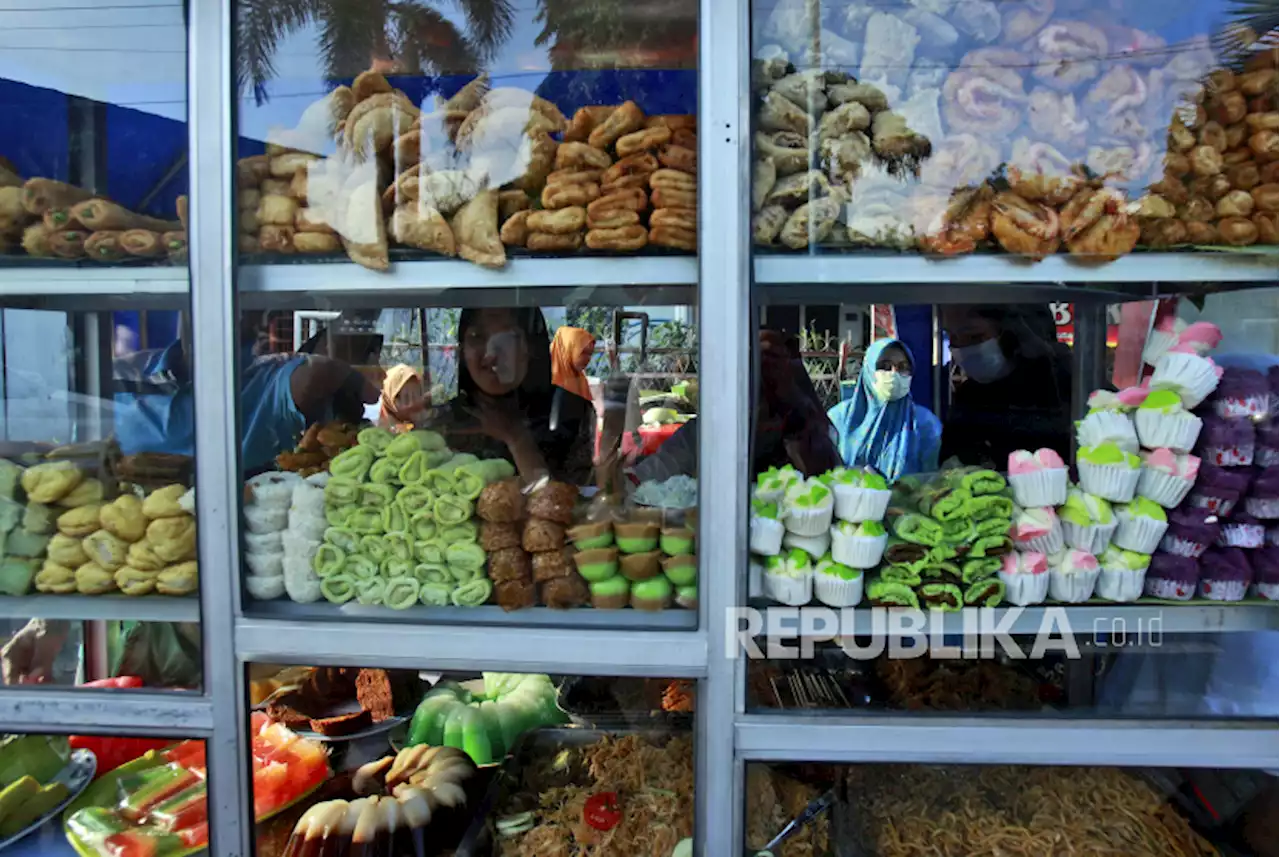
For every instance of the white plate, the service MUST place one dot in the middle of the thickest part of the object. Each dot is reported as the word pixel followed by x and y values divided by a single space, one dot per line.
pixel 77 775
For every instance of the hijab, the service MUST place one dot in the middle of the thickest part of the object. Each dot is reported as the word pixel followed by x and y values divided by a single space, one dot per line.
pixel 397 377
pixel 565 348
pixel 888 436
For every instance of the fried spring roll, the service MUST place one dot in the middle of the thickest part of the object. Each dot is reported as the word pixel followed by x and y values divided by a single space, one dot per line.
pixel 104 246
pixel 68 243
pixel 175 244
pixel 142 242
pixel 100 215
pixel 35 240
pixel 40 195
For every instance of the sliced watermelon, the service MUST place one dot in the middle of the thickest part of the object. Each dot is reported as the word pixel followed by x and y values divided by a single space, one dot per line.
pixel 138 843
pixel 270 789
pixel 195 837
pixel 188 754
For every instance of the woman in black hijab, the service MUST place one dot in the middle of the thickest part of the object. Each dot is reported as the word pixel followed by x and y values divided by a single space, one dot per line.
pixel 507 406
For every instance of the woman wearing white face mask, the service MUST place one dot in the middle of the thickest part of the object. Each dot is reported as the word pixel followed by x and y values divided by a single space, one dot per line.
pixel 881 426
pixel 1017 388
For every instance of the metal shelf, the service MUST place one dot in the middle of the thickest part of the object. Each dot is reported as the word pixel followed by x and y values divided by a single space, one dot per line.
pixel 608 650
pixel 1137 621
pixel 72 287
pixel 653 280
pixel 164 714
pixel 149 608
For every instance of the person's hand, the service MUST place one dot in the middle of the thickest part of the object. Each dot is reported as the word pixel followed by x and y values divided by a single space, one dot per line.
pixel 500 419
pixel 28 656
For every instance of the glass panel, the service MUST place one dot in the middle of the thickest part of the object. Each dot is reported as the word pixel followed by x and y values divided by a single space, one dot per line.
pixel 437 125
pixel 488 467
pixel 885 810
pixel 1025 128
pixel 98 794
pixel 519 764
pixel 97 526
pixel 1128 551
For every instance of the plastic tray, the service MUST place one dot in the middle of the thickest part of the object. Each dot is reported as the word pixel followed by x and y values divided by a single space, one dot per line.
pixel 76 775
pixel 478 840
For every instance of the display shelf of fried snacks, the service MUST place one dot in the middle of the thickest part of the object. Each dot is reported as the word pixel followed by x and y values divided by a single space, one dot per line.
pixel 147 608
pixel 1151 270
pixel 673 619
pixel 1146 619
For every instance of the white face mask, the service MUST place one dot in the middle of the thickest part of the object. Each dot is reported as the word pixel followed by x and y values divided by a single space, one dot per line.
pixel 889 386
pixel 984 362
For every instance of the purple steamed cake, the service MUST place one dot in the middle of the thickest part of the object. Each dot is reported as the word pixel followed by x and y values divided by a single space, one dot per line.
pixel 1217 488
pixel 1190 532
pixel 1241 394
pixel 1264 496
pixel 1273 390
pixel 1225 574
pixel 1241 531
pixel 1266 572
pixel 1226 443
pixel 1172 577
pixel 1266 444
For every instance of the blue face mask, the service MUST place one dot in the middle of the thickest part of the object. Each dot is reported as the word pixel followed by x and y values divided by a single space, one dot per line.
pixel 984 362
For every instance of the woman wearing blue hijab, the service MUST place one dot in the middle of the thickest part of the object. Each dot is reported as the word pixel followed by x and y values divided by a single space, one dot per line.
pixel 881 426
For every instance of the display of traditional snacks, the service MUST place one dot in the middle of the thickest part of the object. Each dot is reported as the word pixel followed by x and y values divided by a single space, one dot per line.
pixel 953 127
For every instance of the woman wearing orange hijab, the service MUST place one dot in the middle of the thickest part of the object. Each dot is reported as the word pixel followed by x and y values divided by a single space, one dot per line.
pixel 402 397
pixel 571 351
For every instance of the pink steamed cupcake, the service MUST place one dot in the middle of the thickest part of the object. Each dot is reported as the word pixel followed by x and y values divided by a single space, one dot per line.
pixel 1172 577
pixel 1227 443
pixel 1025 577
pixel 1164 335
pixel 1072 575
pixel 1038 478
pixel 1201 337
pixel 1167 477
pixel 1225 574
pixel 1183 370
pixel 1037 530
pixel 1242 394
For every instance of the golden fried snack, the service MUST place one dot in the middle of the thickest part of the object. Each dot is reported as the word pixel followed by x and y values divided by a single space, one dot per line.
pixel 542 535
pixel 142 556
pixel 316 242
pixel 248 244
pixel 673 121
pixel 135 581
pixel 629 199
pixel 311 220
pixel 501 502
pixel 509 563
pixel 81 521
pixel 1163 232
pixel 495 536
pixel 180 579
pixel 1265 144
pixel 580 156
pixel 573 175
pixel 669 236
pixel 55 578
pixel 104 246
pixel 627 118
pixel 621 238
pixel 93 579
pixel 163 502
pixel 124 517
pixel 766 225
pixel 560 221
pixel 276 239
pixel 277 210
pixel 1199 232
pixel 515 229
pixel 172 539
pixel 539 165
pixel 680 218
pixel 615 219
pixel 252 170
pixel 475 229
pixel 35 240
pixel 51 481
pixel 1260 82
pixel 66 550
pixel 105 549
pixel 643 165
pixel 642 141
pixel 567 195
pixel 1237 203
pixel 585 121
pixel 1205 160
pixel 419 225
pixel 670 198
pixel 87 492
pixel 102 215
pixel 1237 231
pixel 142 243
pixel 546 242
pixel 68 243
pixel 284 166
pixel 1265 198
pixel 1214 136
pixel 377 121
pixel 511 201
pixel 407 148
pixel 247 222
pixel 40 195
pixel 679 158
pixel 685 138
pixel 368 83
pixel 1266 225
pixel 1235 157
pixel 551 564
pixel 1264 121
pixel 669 179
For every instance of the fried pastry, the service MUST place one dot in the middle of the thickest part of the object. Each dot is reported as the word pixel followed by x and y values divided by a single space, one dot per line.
pixel 163 502
pixel 681 218
pixel 666 179
pixel 40 195
pixel 778 114
pixel 764 174
pixel 375 122
pixel 679 158
pixel 667 198
pixel 515 229
pixel 496 537
pixel 845 119
pixel 368 83
pixel 82 521
pixel 142 556
pixel 574 175
pixel 142 243
pixel 810 223
pixel 561 221
pixel 788 151
pixel 585 121
pixel 100 214
pixel 419 225
pixel 643 165
pixel 92 579
pixel 104 246
pixel 445 191
pixel 793 190
pixel 1163 232
pixel 1265 198
pixel 679 239
pixel 501 127
pixel 35 240
pixel 567 195
pixel 642 141
pixel 626 118
pixel 311 220
pixel 511 201
pixel 276 239
pixel 546 242
pixel 615 219
pixel 135 581
pixel 277 210
pixel 180 579
pixel 316 242
pixel 286 165
pixel 475 229
pixel 468 98
pixel 106 550
pixel 537 155
pixel 674 121
pixel 68 243
pixel 172 539
pixel 125 518
pixel 252 170
pixel 572 155
pixel 1237 231
pixel 766 225
pixel 621 238
pixel 842 157
pixel 66 550
pixel 630 199
pixel 685 138
pixel 49 482
pixel 55 578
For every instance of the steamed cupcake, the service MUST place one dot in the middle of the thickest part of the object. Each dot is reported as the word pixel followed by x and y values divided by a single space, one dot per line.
pixel 1142 524
pixel 837 585
pixel 1125 402
pixel 858 545
pixel 1273 391
pixel 1227 443
pixel 774 482
pixel 1162 421
pixel 1087 522
pixel 1025 577
pixel 766 529
pixel 1108 472
pixel 1242 531
pixel 1225 574
pixel 1122 574
pixel 860 495
pixel 788 579
pixel 1171 577
pixel 807 508
pixel 1072 575
pixel 1200 337
pixel 815 546
pixel 1265 581
pixel 1242 394
pixel 652 594
pixel 612 593
pixel 1264 495
pixel 1038 478
pixel 1164 335
pixel 1188 374
pixel 1218 489
pixel 1037 530
pixel 1190 533
pixel 1266 444
pixel 1167 477
pixel 1102 427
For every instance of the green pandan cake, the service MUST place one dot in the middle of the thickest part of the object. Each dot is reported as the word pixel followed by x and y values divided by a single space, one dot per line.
pixel 485 718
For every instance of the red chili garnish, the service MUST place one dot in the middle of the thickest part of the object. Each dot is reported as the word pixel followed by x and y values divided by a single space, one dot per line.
pixel 601 811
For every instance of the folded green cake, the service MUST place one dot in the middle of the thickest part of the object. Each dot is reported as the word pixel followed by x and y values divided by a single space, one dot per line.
pixel 885 593
pixel 985 593
pixel 941 596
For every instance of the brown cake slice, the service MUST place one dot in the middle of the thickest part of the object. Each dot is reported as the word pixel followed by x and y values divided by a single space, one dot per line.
pixel 342 724
pixel 384 692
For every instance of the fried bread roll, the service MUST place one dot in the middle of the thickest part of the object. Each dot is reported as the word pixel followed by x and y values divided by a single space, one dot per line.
pixel 247 221
pixel 35 240
pixel 511 201
pixel 316 242
pixel 643 164
pixel 667 198
pixel 673 180
pixel 68 243
pixel 275 187
pixel 614 219
pixel 629 199
pixel 566 195
pixel 276 238
pixel 679 158
pixel 142 242
pixel 681 218
pixel 40 195
pixel 573 175
pixel 669 236
pixel 585 121
pixel 175 244
pixel 277 210
pixel 685 137
pixel 558 222
pixel 673 121
pixel 623 238
pixel 101 215
pixel 515 229
pixel 547 242
pixel 571 155
pixel 642 140
pixel 627 118
pixel 104 246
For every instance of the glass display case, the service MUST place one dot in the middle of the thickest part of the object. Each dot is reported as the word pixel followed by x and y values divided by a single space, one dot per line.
pixel 641 427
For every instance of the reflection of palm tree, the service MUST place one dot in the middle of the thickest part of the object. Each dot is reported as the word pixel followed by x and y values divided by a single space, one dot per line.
pixel 1251 18
pixel 412 36
pixel 618 33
